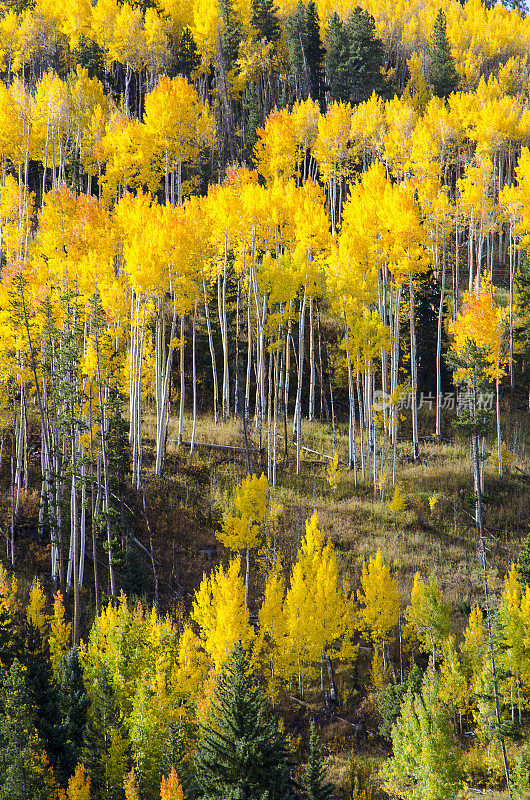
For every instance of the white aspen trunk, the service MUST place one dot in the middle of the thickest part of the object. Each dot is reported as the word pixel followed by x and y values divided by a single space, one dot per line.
pixel 194 379
pixel 212 353
pixel 362 425
pixel 511 263
pixel 498 420
pixel 414 375
pixel 249 353
pixel 311 410
pixel 182 381
pixel 298 406
pixel 439 354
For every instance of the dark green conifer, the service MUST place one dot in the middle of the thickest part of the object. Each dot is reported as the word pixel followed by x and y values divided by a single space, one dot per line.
pixel 314 54
pixel 366 56
pixel 337 61
pixel 186 57
pixel 24 770
pixel 74 705
pixel 105 744
pixel 265 20
pixel 444 79
pixel 317 786
pixel 241 751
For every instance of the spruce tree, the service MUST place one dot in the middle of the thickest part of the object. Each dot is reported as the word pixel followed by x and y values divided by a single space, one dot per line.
pixel 314 54
pixel 105 745
pixel 337 61
pixel 74 705
pixel 306 52
pixel 24 770
pixel 43 692
pixel 231 32
pixel 241 751
pixel 316 785
pixel 186 57
pixel 265 20
pixel 444 79
pixel 366 56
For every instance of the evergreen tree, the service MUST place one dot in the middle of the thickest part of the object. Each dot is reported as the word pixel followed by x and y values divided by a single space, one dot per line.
pixel 265 20
pixel 253 117
pixel 105 746
pixel 241 752
pixel 74 705
pixel 354 58
pixel 306 52
pixel 24 770
pixel 366 57
pixel 317 786
pixel 337 61
pixel 444 79
pixel 43 692
pixel 186 57
pixel 231 32
pixel 314 54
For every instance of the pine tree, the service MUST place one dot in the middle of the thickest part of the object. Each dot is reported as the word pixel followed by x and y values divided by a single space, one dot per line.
pixel 43 692
pixel 74 704
pixel 105 745
pixel 317 786
pixel 265 20
pixel 306 52
pixel 24 770
pixel 337 61
pixel 314 53
pixel 444 79
pixel 231 32
pixel 365 57
pixel 186 57
pixel 241 752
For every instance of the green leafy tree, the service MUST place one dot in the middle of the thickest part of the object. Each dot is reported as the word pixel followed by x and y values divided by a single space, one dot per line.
pixel 241 751
pixel 424 762
pixel 444 79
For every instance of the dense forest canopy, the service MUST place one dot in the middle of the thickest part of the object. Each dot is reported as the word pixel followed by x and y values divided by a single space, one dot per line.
pixel 264 264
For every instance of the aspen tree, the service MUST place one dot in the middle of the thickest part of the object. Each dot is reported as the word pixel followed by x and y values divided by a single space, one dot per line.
pixel 380 602
pixel 241 532
pixel 428 614
pixel 220 612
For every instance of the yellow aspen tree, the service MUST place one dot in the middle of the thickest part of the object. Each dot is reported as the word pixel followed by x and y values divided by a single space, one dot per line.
pixel 36 610
pixel 241 532
pixel 170 788
pixel 428 615
pixel 60 634
pixel 272 625
pixel 179 125
pixel 79 784
pixel 333 154
pixel 318 617
pixel 454 687
pixel 380 603
pixel 130 786
pixel 275 150
pixel 220 612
